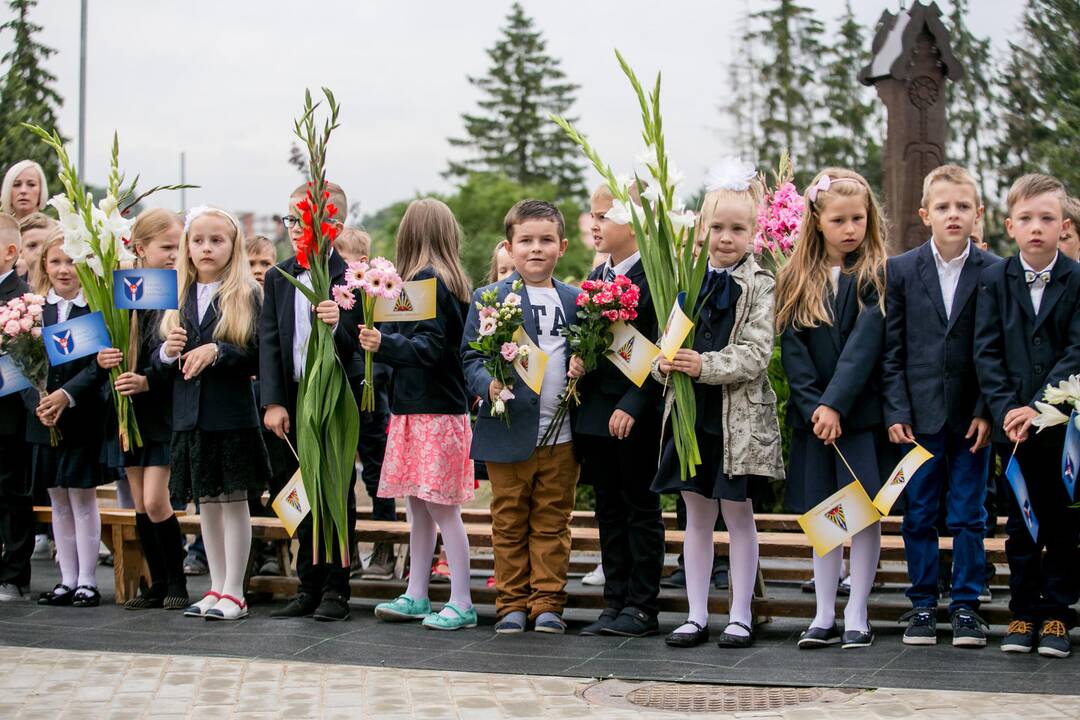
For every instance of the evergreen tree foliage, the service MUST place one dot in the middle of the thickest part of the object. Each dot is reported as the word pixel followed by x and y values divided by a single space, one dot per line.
pixel 511 134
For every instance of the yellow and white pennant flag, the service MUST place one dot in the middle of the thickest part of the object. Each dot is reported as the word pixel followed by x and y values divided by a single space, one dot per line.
pixel 413 303
pixel 900 477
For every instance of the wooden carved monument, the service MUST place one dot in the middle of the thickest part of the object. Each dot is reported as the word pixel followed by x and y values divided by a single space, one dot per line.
pixel 912 59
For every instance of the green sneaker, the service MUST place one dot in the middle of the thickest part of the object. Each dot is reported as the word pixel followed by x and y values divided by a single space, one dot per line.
pixel 464 619
pixel 403 609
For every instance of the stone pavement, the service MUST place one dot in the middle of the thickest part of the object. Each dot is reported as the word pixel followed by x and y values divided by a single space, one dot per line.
pixel 48 683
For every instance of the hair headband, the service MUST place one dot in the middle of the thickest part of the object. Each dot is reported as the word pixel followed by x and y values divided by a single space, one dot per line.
pixel 825 182
pixel 200 210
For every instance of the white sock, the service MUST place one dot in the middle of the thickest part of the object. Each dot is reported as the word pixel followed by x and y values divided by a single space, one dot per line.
pixel 84 507
pixel 743 561
pixel 826 579
pixel 63 525
pixel 237 546
pixel 421 547
pixel 456 546
pixel 865 551
pixel 212 522
pixel 698 552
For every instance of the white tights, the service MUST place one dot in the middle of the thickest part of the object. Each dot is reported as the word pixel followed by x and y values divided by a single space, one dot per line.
pixel 698 554
pixel 226 533
pixel 77 531
pixel 865 550
pixel 425 520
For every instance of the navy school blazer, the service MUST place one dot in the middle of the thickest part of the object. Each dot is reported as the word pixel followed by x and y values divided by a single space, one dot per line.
pixel 928 367
pixel 606 389
pixel 1019 353
pixel 837 365
pixel 277 328
pixel 492 440
pixel 425 357
pixel 221 396
pixel 84 381
pixel 12 416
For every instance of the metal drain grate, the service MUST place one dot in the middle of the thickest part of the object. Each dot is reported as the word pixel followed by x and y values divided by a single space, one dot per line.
pixel 686 698
pixel 730 699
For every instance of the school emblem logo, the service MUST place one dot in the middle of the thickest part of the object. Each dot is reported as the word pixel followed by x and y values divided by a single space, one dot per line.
pixel 835 515
pixel 626 351
pixel 133 288
pixel 65 343
pixel 293 498
pixel 1070 471
pixel 899 479
pixel 403 302
pixel 1028 516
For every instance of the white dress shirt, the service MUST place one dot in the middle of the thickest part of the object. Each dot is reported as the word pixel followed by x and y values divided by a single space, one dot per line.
pixel 302 326
pixel 834 278
pixel 1038 287
pixel 63 312
pixel 204 295
pixel 622 268
pixel 948 272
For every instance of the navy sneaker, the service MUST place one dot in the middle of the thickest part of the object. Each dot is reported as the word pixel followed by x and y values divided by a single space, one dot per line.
pixel 922 626
pixel 1019 637
pixel 1054 640
pixel 967 629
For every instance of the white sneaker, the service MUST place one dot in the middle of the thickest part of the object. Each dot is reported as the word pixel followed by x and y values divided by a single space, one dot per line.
pixel 594 577
pixel 10 592
pixel 42 551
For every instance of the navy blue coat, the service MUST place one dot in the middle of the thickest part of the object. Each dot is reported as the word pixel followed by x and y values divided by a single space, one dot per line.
pixel 928 368
pixel 492 440
pixel 221 396
pixel 837 365
pixel 1019 353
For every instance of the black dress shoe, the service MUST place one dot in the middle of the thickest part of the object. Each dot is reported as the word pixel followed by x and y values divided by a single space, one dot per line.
pixel 86 596
pixel 52 597
pixel 606 618
pixel 729 640
pixel 300 606
pixel 677 579
pixel 632 623
pixel 815 637
pixel 689 639
pixel 332 608
pixel 858 638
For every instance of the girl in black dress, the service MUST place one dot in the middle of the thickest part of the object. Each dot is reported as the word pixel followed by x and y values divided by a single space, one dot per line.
pixel 155 238
pixel 210 351
pixel 70 471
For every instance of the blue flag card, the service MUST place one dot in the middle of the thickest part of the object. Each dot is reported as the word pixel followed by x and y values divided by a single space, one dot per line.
pixel 76 338
pixel 11 380
pixel 1020 490
pixel 1070 456
pixel 145 289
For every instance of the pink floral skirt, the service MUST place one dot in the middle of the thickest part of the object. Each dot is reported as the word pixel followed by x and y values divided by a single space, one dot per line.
pixel 427 457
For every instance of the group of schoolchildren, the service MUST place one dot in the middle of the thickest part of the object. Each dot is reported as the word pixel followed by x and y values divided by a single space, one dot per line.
pixel 947 346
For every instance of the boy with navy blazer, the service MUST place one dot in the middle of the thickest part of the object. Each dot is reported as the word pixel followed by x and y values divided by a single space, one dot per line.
pixel 616 431
pixel 285 325
pixel 532 487
pixel 16 497
pixel 1027 336
pixel 932 397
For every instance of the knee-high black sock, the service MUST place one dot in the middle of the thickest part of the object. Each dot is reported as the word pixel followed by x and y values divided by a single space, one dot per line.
pixel 171 541
pixel 151 551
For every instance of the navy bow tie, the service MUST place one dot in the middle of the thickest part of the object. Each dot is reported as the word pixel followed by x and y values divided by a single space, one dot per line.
pixel 1031 276
pixel 716 289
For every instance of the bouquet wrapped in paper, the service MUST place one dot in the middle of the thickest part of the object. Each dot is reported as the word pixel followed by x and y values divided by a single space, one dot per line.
pixel 20 338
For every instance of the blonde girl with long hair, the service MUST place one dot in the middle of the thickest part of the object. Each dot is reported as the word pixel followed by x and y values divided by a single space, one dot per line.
pixel 155 239
pixel 427 449
pixel 830 313
pixel 210 351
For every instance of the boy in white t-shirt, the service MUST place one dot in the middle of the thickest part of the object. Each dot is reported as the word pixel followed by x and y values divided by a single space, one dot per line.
pixel 532 488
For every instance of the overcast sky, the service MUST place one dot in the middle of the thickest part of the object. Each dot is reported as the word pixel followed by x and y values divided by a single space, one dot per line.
pixel 222 81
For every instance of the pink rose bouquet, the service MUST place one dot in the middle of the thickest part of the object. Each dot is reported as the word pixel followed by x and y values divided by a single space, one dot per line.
pixel 20 337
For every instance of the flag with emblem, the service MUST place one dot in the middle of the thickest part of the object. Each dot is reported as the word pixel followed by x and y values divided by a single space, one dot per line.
pixel 413 303
pixel 145 289
pixel 1070 455
pixel 676 328
pixel 900 477
pixel 631 352
pixel 291 504
pixel 75 338
pixel 530 366
pixel 11 378
pixel 1019 487
pixel 838 517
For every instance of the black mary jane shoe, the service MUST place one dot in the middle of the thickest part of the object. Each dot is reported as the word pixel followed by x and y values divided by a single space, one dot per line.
pixel 738 642
pixel 815 637
pixel 56 599
pixel 689 639
pixel 858 639
pixel 86 596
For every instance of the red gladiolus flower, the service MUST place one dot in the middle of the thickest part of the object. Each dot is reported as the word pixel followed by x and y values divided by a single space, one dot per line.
pixel 331 209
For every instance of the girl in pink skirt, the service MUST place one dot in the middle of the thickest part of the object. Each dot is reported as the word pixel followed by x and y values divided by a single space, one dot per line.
pixel 427 448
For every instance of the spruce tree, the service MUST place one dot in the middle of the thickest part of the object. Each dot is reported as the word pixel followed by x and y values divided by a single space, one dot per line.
pixel 743 102
pixel 27 93
pixel 789 36
pixel 850 135
pixel 511 133
pixel 1023 126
